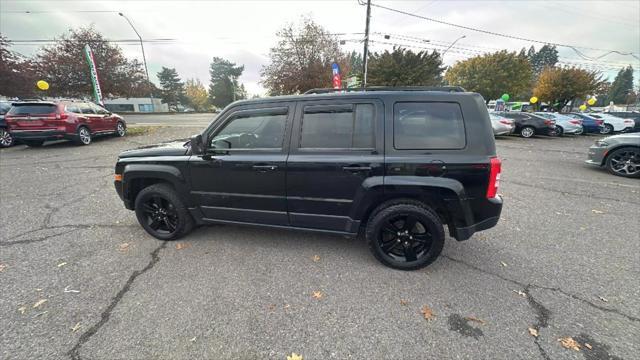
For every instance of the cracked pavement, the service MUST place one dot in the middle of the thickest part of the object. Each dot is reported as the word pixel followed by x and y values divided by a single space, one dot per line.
pixel 552 264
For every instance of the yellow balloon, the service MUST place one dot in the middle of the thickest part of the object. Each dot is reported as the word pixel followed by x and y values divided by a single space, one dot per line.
pixel 583 107
pixel 533 100
pixel 591 101
pixel 42 85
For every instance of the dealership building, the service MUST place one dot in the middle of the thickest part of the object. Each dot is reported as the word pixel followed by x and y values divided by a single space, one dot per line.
pixel 135 105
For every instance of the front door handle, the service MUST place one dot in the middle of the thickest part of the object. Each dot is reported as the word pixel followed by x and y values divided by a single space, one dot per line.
pixel 264 167
pixel 356 168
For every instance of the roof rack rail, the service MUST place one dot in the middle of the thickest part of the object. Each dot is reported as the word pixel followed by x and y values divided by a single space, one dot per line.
pixel 387 88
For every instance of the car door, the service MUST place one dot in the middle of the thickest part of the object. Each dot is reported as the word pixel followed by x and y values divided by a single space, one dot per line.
pixel 241 176
pixel 106 119
pixel 90 117
pixel 336 146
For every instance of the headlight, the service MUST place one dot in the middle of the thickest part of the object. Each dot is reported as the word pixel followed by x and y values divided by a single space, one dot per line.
pixel 601 143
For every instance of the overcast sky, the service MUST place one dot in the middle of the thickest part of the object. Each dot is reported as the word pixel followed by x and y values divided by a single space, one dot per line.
pixel 243 31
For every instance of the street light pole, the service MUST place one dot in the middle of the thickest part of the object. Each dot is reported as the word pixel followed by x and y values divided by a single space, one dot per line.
pixel 144 59
pixel 453 43
pixel 365 53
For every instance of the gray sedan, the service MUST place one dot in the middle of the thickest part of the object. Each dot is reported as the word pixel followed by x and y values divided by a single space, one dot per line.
pixel 620 154
pixel 501 125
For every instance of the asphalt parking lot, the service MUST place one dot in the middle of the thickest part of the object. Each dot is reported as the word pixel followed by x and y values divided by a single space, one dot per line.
pixel 81 279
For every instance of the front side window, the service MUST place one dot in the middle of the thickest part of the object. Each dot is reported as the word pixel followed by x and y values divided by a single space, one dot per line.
pixel 86 108
pixel 428 125
pixel 99 109
pixel 252 131
pixel 338 127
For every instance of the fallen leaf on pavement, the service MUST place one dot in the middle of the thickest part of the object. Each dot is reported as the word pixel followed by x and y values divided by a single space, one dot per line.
pixel 193 339
pixel 67 290
pixel 315 258
pixel 603 299
pixel 588 346
pixel 2 267
pixel 76 327
pixel 475 319
pixel 597 211
pixel 286 306
pixel 520 292
pixel 404 302
pixel 39 302
pixel 503 263
pixel 123 247
pixel 271 307
pixel 62 264
pixel 294 356
pixel 180 246
pixel 427 313
pixel 533 332
pixel 569 343
pixel 317 295
pixel 22 309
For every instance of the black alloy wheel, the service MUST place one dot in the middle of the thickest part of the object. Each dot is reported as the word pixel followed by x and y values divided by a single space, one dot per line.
pixel 161 212
pixel 624 162
pixel 161 215
pixel 405 236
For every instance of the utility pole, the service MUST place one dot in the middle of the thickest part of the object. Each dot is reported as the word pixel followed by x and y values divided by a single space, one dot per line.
pixel 365 53
pixel 144 59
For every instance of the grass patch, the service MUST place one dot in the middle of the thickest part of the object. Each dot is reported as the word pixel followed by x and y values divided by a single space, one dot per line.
pixel 141 130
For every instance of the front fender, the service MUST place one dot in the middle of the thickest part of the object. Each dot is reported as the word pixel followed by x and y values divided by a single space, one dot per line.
pixel 152 172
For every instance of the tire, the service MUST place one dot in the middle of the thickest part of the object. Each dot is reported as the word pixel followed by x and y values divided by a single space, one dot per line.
pixel 6 140
pixel 83 136
pixel 399 245
pixel 34 143
pixel 607 129
pixel 121 129
pixel 624 162
pixel 559 131
pixel 580 131
pixel 527 132
pixel 159 204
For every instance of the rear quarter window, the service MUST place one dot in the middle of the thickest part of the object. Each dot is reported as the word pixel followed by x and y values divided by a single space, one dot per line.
pixel 32 109
pixel 428 125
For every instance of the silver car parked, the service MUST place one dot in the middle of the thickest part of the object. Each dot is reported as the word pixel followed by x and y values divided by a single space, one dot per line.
pixel 501 125
pixel 620 154
pixel 564 124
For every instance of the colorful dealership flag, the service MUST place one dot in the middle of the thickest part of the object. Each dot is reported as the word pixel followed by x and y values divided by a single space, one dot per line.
pixel 94 74
pixel 337 81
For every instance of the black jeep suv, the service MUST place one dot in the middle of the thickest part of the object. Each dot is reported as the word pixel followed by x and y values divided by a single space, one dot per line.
pixel 398 163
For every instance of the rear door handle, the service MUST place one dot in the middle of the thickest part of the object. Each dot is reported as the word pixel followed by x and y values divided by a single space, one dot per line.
pixel 356 168
pixel 264 167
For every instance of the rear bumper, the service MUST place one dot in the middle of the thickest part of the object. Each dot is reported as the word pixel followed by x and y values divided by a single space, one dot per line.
pixel 41 135
pixel 492 211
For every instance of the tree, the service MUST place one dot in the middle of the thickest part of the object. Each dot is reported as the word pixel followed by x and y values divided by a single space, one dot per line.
pixel 547 56
pixel 355 67
pixel 17 74
pixel 622 86
pixel 403 67
pixel 172 88
pixel 560 86
pixel 196 95
pixel 64 66
pixel 492 74
pixel 302 59
pixel 224 88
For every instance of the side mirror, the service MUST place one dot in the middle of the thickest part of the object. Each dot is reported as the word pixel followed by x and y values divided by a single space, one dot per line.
pixel 197 146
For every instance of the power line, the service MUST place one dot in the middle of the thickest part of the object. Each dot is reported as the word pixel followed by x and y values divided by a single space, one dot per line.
pixel 496 33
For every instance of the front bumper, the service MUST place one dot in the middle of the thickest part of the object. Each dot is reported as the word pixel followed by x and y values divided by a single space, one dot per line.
pixel 596 155
pixel 119 185
pixel 41 135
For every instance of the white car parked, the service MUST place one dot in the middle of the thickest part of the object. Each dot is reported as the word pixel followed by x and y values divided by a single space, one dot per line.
pixel 613 123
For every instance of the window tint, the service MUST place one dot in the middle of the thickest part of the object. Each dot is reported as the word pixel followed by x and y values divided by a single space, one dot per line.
pixel 258 131
pixel 428 125
pixel 72 107
pixel 98 109
pixel 32 109
pixel 86 108
pixel 338 127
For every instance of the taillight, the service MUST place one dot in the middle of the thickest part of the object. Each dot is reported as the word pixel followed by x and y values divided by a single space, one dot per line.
pixel 62 116
pixel 548 122
pixel 575 122
pixel 506 122
pixel 599 122
pixel 495 168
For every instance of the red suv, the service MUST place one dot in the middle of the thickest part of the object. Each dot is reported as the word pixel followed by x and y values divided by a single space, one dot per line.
pixel 33 123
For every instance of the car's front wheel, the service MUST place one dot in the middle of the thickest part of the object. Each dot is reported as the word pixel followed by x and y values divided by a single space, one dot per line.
pixel 6 139
pixel 527 132
pixel 624 162
pixel 121 130
pixel 405 236
pixel 161 212
pixel 606 129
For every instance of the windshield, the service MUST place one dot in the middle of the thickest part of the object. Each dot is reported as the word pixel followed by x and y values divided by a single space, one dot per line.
pixel 4 107
pixel 32 109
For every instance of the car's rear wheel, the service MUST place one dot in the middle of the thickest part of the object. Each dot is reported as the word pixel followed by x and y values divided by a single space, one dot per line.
pixel 606 129
pixel 624 162
pixel 580 131
pixel 6 139
pixel 121 129
pixel 34 143
pixel 527 132
pixel 84 136
pixel 161 212
pixel 559 131
pixel 405 236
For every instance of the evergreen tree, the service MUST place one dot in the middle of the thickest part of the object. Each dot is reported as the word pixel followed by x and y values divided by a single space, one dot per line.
pixel 403 67
pixel 621 86
pixel 224 87
pixel 172 92
pixel 547 56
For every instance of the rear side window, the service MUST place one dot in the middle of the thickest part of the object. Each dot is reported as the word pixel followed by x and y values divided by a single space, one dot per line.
pixel 349 126
pixel 32 109
pixel 428 125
